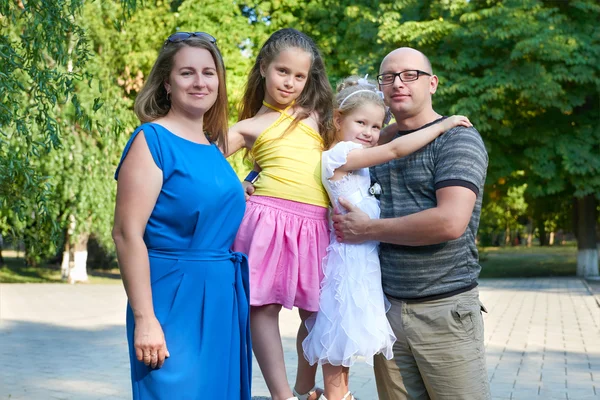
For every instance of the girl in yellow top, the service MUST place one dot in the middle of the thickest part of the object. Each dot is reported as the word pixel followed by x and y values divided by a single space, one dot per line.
pixel 285 122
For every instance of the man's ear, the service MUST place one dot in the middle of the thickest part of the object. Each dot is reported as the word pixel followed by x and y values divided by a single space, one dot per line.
pixel 433 84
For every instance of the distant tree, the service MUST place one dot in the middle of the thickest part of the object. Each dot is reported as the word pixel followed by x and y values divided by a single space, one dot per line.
pixel 504 213
pixel 92 121
pixel 43 55
pixel 51 124
pixel 527 73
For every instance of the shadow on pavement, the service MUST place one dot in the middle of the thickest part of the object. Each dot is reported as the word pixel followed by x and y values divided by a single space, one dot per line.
pixel 41 361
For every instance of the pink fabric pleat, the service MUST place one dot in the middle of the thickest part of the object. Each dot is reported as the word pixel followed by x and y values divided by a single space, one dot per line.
pixel 285 242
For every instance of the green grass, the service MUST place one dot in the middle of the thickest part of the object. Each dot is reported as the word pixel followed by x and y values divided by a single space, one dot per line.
pixel 14 270
pixel 15 274
pixel 523 262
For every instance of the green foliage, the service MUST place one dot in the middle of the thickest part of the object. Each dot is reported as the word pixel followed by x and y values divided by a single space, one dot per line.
pixel 43 52
pixel 81 172
pixel 527 73
pixel 90 130
pixel 52 134
pixel 55 142
pixel 502 212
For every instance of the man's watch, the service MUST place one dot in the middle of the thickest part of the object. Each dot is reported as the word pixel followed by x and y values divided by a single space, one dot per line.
pixel 252 177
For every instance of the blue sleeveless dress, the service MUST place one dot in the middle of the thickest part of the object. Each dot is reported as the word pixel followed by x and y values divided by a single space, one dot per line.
pixel 199 286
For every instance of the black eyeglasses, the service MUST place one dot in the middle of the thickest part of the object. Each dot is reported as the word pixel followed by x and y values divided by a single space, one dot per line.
pixel 405 76
pixel 181 36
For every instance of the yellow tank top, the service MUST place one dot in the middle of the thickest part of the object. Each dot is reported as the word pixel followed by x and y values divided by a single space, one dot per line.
pixel 290 162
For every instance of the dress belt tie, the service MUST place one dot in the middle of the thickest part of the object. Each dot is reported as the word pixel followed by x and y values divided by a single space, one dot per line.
pixel 242 293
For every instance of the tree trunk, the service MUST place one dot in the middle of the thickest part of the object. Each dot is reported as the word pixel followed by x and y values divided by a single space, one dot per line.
pixel 495 239
pixel 79 271
pixel 74 263
pixel 541 225
pixel 1 246
pixel 65 265
pixel 507 236
pixel 529 232
pixel 551 239
pixel 587 250
pixel 598 238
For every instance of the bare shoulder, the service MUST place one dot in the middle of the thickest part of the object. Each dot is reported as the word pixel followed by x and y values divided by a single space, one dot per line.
pixel 139 145
pixel 139 160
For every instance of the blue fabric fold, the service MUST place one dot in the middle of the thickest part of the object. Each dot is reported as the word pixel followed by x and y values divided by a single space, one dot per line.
pixel 242 293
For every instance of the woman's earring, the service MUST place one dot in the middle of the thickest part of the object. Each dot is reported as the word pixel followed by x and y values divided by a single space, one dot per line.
pixel 169 97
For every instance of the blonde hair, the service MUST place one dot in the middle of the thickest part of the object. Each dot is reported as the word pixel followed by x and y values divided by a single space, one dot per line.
pixel 348 97
pixel 152 101
pixel 354 92
pixel 317 95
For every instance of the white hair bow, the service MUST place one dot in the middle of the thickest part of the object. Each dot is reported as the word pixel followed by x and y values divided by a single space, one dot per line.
pixel 364 82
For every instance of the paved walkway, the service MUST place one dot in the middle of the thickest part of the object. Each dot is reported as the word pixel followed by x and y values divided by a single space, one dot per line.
pixel 68 342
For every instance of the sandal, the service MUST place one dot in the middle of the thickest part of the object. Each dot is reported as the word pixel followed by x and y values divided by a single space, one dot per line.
pixel 322 397
pixel 305 396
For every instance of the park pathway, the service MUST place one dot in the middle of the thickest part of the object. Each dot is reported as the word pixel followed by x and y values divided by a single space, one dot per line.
pixel 68 342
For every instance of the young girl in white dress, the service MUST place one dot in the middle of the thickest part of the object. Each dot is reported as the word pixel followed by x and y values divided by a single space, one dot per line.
pixel 351 320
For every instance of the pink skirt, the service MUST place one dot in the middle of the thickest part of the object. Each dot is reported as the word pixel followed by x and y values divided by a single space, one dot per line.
pixel 285 242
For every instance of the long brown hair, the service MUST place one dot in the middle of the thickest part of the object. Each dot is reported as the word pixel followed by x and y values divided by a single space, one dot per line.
pixel 152 101
pixel 317 95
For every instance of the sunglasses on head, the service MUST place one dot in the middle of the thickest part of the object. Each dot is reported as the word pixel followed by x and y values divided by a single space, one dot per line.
pixel 181 36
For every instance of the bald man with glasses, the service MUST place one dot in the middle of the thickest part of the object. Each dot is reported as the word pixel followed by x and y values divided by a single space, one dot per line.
pixel 430 209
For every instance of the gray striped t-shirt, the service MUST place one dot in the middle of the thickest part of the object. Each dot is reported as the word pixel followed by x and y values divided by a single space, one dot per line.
pixel 456 158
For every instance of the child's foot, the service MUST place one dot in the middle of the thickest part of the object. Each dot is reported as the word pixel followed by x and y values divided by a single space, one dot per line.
pixel 312 394
pixel 347 396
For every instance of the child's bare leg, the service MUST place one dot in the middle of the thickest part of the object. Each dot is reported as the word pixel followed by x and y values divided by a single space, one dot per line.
pixel 305 377
pixel 336 381
pixel 266 342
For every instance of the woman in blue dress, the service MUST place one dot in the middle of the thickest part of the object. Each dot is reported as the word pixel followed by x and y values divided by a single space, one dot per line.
pixel 178 208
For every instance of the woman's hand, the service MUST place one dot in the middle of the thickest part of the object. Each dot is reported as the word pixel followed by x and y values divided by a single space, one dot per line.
pixel 149 342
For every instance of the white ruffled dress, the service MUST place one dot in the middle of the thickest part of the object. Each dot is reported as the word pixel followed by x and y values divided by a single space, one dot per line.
pixel 351 320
